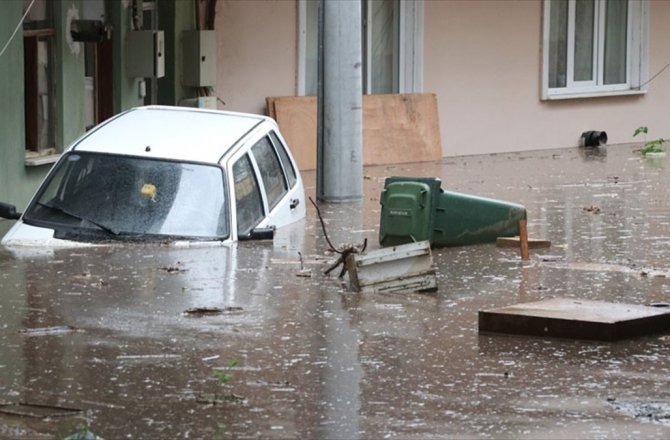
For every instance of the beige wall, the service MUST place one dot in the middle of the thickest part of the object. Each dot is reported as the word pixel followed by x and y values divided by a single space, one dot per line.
pixel 257 52
pixel 483 59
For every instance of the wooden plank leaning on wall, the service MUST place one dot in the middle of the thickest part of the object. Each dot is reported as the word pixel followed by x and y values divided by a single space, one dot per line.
pixel 396 128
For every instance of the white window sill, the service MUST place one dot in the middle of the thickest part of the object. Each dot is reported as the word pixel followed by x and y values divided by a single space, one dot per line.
pixel 36 160
pixel 581 95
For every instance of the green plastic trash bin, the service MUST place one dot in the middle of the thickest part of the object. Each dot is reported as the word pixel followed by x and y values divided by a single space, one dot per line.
pixel 416 209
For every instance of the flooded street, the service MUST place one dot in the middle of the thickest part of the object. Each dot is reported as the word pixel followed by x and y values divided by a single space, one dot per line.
pixel 139 341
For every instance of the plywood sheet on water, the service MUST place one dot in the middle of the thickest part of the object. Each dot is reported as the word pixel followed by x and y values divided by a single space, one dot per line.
pixel 577 319
pixel 396 128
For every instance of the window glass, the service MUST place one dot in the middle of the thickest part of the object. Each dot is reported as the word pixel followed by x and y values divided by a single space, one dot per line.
pixel 584 28
pixel 120 196
pixel 381 32
pixel 558 43
pixel 249 204
pixel 590 46
pixel 616 38
pixel 311 47
pixel 39 16
pixel 271 171
pixel 380 42
pixel 283 155
pixel 38 47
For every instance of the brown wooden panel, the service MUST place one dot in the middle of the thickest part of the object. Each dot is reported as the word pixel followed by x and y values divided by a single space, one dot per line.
pixel 400 128
pixel 576 319
pixel 396 128
pixel 296 117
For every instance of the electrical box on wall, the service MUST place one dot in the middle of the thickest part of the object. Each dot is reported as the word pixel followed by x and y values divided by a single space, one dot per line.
pixel 145 54
pixel 199 55
pixel 201 102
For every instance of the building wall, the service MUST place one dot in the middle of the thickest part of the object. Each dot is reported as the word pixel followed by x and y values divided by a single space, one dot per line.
pixel 11 123
pixel 18 181
pixel 175 17
pixel 483 59
pixel 257 52
pixel 69 76
pixel 126 89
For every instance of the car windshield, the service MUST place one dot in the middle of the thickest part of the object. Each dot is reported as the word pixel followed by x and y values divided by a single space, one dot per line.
pixel 99 196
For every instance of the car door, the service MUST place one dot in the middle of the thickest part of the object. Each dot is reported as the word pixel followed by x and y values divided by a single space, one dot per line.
pixel 249 201
pixel 280 179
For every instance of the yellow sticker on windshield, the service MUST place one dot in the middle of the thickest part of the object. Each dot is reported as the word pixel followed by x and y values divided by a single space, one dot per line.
pixel 149 191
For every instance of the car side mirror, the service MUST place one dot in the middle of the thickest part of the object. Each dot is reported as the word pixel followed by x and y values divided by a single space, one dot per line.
pixel 259 234
pixel 9 211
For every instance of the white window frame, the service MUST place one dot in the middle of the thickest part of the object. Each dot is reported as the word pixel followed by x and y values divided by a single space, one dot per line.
pixel 410 48
pixel 637 55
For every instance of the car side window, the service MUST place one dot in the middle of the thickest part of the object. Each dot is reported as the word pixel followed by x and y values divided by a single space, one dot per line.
pixel 271 171
pixel 283 155
pixel 247 196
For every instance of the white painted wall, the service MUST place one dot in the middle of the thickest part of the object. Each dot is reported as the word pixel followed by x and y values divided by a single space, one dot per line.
pixel 483 59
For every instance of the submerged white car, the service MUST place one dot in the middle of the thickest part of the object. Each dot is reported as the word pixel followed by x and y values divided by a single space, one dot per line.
pixel 165 174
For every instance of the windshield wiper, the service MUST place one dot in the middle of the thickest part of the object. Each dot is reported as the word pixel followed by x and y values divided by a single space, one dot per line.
pixel 79 217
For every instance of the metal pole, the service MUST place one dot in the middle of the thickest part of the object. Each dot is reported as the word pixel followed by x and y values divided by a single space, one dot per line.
pixel 340 115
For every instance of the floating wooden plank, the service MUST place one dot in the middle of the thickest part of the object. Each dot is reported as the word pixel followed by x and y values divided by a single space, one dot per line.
pixel 408 268
pixel 576 319
pixel 38 411
pixel 515 242
pixel 396 128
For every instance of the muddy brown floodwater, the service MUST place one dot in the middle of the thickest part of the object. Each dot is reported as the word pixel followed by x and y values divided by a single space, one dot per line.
pixel 99 340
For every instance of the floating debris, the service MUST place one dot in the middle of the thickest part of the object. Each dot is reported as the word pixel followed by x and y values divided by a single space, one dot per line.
pixel 48 331
pixel 569 318
pixel 652 411
pixel 592 209
pixel 148 356
pixel 402 268
pixel 211 311
pixel 38 411
pixel 173 269
pixel 215 399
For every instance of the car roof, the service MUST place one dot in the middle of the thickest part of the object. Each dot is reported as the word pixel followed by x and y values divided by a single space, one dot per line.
pixel 176 133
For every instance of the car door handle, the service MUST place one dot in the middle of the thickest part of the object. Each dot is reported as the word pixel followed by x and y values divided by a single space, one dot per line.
pixel 294 203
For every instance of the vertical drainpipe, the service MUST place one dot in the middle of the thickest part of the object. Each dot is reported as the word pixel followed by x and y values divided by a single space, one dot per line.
pixel 339 169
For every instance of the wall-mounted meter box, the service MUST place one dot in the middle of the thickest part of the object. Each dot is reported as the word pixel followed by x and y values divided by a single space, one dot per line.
pixel 199 57
pixel 145 54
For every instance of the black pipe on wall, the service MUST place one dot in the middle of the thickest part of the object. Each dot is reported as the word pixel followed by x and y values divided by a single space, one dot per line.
pixel 594 138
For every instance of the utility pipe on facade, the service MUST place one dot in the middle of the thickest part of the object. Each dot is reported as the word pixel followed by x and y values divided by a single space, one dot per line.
pixel 339 169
